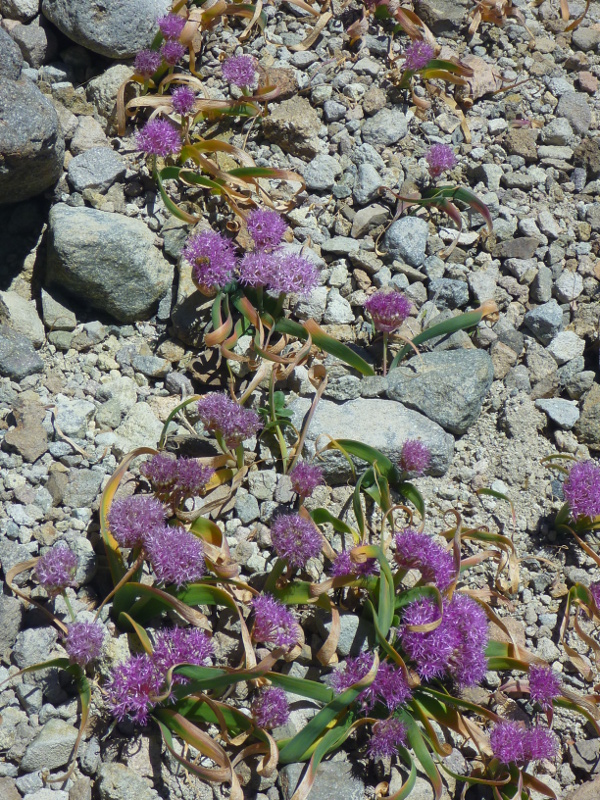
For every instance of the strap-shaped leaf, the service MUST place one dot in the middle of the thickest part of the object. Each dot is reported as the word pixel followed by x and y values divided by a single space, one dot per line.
pixel 325 342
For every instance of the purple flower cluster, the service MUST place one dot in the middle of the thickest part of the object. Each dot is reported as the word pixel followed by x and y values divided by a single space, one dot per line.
pixel 212 257
pixel 388 310
pixel 131 519
pixel 389 686
pixel 273 623
pixel 176 479
pixel 419 551
pixel 171 26
pixel 270 709
pixel 343 565
pixel 136 684
pixel 417 55
pixel 595 592
pixel 278 271
pixel 350 672
pixel 266 228
pixel 147 62
pixel 513 744
pixel 544 685
pixel 440 159
pixel 183 99
pixel 84 642
pixel 176 555
pixel 56 569
pixel 223 416
pixel 582 489
pixel 240 70
pixel 172 52
pixel 305 478
pixel 455 647
pixel 158 137
pixel 296 539
pixel 414 457
pixel 388 735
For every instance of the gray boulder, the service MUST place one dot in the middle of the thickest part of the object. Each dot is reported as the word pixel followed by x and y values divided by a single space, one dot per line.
pixel 32 148
pixel 382 424
pixel 406 240
pixel 448 386
pixel 18 358
pixel 23 10
pixel 51 748
pixel 106 260
pixel 11 60
pixel 115 30
pixel 118 782
pixel 97 168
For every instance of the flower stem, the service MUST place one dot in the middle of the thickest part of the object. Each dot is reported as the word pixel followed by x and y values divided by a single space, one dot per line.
pixel 385 352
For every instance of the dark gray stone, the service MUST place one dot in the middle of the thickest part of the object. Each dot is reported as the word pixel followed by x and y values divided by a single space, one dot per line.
pixel 106 260
pixel 51 748
pixel 443 16
pixel 151 366
pixel 448 387
pixel 97 168
pixel 37 42
pixel 116 30
pixel 545 321
pixel 406 240
pixel 31 144
pixel 118 782
pixel 333 779
pixel 83 488
pixel 11 60
pixel 448 293
pixel 11 613
pixel 17 355
pixel 574 106
pixel 385 128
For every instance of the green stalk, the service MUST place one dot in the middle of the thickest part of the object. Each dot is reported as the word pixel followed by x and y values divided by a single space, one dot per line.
pixel 278 432
pixel 385 352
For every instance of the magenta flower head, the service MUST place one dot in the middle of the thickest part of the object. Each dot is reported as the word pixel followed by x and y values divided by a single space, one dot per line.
pixel 212 257
pixel 257 269
pixel 419 551
pixel 134 689
pixel 388 735
pixel 56 570
pixel 171 26
pixel 183 99
pixel 388 310
pixel 414 457
pixel 158 137
pixel 147 62
pixel 440 158
pixel 305 478
pixel 270 709
pixel 172 52
pixel 540 743
pixel 240 70
pixel 466 621
pixel 582 489
pixel 181 646
pixel 350 672
pixel 132 518
pixel 296 539
pixel 191 480
pixel 84 642
pixel 507 741
pixel 161 473
pixel 176 555
pixel 223 416
pixel 266 227
pixel 544 685
pixel 390 686
pixel 417 55
pixel 595 592
pixel 343 565
pixel 273 623
pixel 293 273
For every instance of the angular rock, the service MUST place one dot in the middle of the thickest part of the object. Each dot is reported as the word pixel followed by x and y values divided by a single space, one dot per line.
pixel 333 779
pixel 382 424
pixel 88 134
pixel 545 321
pixel 82 489
pixel 568 286
pixel 368 181
pixel 31 144
pixel 29 437
pixel 449 293
pixel 588 427
pixel 37 42
pixel 97 168
pixel 106 260
pixel 11 614
pixel 321 172
pixel 443 16
pixel 56 316
pixel 448 387
pixel 51 748
pixel 115 30
pixel 21 315
pixel 574 106
pixel 17 355
pixel 294 126
pixel 563 413
pixel 102 91
pixel 11 59
pixel 406 240
pixel 118 782
pixel 23 10
pixel 521 247
pixel 385 128
pixel 566 346
pixel 139 428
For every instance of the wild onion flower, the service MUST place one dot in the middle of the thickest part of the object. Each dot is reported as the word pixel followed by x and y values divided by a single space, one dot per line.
pixel 212 257
pixel 191 479
pixel 175 480
pixel 305 478
pixel 182 646
pixel 417 55
pixel 541 743
pixel 582 489
pixel 419 551
pixel 273 623
pixel 387 736
pixel 595 592
pixel 56 569
pixel 240 70
pixel 161 472
pixel 390 686
pixel 415 457
pixel 176 555
pixel 257 269
pixel 296 539
pixel 440 158
pixel 223 416
pixel 266 227
pixel 183 99
pixel 270 709
pixel 388 310
pixel 158 137
pixel 134 689
pixel 84 642
pixel 544 685
pixel 147 62
pixel 133 518
pixel 343 565
pixel 171 26
pixel 293 274
pixel 465 617
pixel 350 672
pixel 511 743
pixel 172 52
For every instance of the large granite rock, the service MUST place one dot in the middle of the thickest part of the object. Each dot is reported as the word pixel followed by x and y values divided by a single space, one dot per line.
pixel 32 147
pixel 11 60
pixel 448 387
pixel 106 260
pixel 113 29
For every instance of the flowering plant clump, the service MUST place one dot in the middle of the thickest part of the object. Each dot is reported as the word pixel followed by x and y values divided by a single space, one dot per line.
pixel 270 709
pixel 295 539
pixel 440 158
pixel 388 311
pixel 230 422
pixel 305 478
pixel 241 71
pixel 56 570
pixel 84 642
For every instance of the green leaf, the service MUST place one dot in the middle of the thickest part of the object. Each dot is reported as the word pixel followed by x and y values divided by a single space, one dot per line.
pixel 172 173
pixel 414 495
pixel 322 516
pixel 169 419
pixel 416 741
pixel 305 688
pixel 459 323
pixel 365 453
